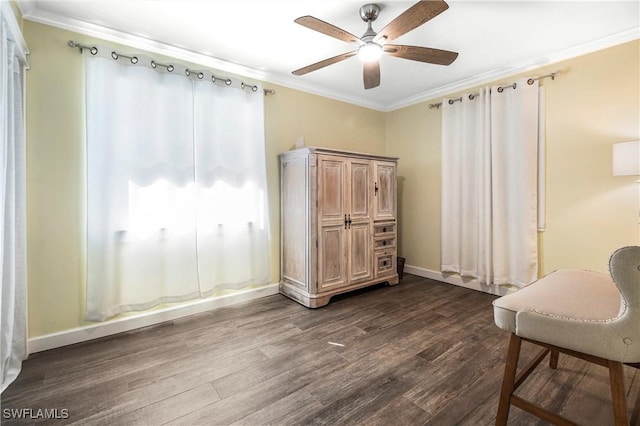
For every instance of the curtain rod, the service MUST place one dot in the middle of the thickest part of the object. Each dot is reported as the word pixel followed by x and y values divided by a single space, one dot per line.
pixel 169 67
pixel 500 89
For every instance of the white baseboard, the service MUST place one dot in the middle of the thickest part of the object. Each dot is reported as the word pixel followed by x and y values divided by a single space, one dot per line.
pixel 456 279
pixel 147 318
pixel 144 319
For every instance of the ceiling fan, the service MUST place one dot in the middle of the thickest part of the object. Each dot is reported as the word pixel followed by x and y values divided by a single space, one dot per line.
pixel 372 45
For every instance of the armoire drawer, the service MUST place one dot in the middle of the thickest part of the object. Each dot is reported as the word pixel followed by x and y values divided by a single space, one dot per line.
pixel 385 262
pixel 380 229
pixel 382 243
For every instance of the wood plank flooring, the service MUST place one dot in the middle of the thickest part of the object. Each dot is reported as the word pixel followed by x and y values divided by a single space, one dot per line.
pixel 421 352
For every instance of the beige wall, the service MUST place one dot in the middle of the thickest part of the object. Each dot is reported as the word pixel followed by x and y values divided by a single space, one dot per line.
pixel 56 167
pixel 590 213
pixel 591 106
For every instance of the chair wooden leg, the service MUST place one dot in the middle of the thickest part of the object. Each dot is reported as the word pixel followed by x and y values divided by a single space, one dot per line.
pixel 618 397
pixel 508 381
pixel 635 415
pixel 553 359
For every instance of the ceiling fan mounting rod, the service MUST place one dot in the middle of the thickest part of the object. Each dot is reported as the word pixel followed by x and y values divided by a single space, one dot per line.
pixel 369 12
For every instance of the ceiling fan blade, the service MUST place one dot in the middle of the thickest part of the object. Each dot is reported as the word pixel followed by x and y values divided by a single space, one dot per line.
pixel 324 63
pixel 371 74
pixel 422 54
pixel 412 18
pixel 326 28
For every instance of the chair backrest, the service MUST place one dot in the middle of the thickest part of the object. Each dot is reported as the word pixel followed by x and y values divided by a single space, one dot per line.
pixel 624 266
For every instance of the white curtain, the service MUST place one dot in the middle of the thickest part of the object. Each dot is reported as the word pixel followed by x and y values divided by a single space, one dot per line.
pixel 489 185
pixel 514 180
pixel 176 186
pixel 13 305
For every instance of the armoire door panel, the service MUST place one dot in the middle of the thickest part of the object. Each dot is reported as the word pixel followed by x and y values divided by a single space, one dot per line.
pixel 360 253
pixel 332 193
pixel 332 257
pixel 360 189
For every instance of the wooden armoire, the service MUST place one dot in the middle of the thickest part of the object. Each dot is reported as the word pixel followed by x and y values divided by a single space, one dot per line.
pixel 338 223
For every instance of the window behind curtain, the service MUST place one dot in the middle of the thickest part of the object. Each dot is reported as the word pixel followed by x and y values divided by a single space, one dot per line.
pixel 176 186
pixel 490 145
pixel 13 195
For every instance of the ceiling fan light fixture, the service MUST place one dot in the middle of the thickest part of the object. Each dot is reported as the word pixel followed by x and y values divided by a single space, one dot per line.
pixel 370 52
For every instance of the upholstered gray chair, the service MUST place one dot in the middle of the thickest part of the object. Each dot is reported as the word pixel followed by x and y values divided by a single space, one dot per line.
pixel 589 315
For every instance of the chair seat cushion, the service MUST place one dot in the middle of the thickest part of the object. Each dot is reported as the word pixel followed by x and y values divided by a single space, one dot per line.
pixel 566 293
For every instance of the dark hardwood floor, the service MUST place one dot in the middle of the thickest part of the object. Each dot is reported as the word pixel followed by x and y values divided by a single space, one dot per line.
pixel 421 352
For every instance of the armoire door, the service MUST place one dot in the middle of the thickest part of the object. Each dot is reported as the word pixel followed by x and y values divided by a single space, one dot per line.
pixel 384 191
pixel 332 222
pixel 360 259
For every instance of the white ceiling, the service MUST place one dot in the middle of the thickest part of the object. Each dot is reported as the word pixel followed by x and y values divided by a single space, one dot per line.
pixel 258 38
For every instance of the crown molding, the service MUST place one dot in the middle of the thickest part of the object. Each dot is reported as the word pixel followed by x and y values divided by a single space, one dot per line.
pixel 32 13
pixel 131 40
pixel 14 32
pixel 26 7
pixel 505 72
